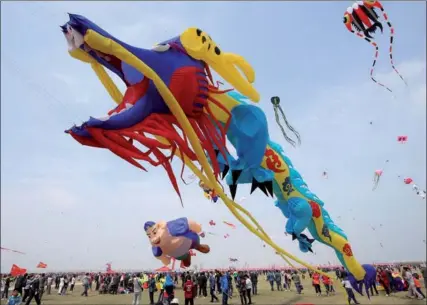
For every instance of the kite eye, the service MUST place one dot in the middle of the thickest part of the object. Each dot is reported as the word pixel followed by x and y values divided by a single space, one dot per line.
pixel 345 19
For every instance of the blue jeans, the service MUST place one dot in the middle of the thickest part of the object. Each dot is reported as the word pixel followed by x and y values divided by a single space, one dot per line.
pixel 224 298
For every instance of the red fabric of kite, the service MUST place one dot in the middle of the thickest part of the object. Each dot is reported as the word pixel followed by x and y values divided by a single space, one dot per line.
pixel 41 265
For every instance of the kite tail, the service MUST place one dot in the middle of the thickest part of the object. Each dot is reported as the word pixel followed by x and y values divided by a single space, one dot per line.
pixel 374 44
pixel 374 63
pixel 289 140
pixel 391 44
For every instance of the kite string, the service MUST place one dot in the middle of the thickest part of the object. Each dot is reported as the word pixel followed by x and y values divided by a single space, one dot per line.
pixel 391 44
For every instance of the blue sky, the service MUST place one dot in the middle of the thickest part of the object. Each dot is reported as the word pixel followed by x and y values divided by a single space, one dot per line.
pixel 74 207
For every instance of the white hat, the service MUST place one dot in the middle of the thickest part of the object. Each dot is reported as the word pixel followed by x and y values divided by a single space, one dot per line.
pixel 175 301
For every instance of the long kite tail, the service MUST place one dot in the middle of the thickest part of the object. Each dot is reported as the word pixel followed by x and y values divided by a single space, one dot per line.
pixel 391 44
pixel 375 45
pixel 277 108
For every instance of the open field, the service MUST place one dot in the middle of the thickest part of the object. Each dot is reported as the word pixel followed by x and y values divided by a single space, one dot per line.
pixel 265 296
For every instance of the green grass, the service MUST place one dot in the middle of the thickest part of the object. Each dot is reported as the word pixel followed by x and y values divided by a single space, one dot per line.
pixel 265 296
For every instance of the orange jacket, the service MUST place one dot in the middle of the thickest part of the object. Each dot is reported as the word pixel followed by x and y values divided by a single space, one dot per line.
pixel 417 283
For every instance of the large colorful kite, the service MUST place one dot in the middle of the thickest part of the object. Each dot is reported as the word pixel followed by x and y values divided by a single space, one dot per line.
pixel 175 239
pixel 170 88
pixel 362 19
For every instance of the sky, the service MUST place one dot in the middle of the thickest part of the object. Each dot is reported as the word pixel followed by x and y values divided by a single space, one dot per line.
pixel 74 207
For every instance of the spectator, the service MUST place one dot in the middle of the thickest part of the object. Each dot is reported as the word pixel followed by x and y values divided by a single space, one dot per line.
pixel 412 291
pixel 73 282
pixel 49 284
pixel 224 288
pixel 34 291
pixel 316 283
pixel 254 280
pixel 278 280
pixel 169 287
pixel 270 279
pixel 297 282
pixel 212 287
pixel 42 283
pixel 241 286
pixel 349 289
pixel 15 298
pixel 152 288
pixel 188 292
pixel 137 289
pixel 418 285
pixel 248 289
pixel 85 283
pixel 5 293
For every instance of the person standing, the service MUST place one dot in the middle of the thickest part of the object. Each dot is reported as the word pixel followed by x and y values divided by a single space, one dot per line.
pixel 137 289
pixel 278 280
pixel 212 283
pixel 28 280
pixel 20 283
pixel 65 287
pixel 42 280
pixel 204 284
pixel 34 291
pixel 151 288
pixel 412 291
pixel 248 289
pixel 73 282
pixel 297 282
pixel 384 280
pixel 224 289
pixel 5 293
pixel 349 289
pixel 169 287
pixel 188 292
pixel 270 279
pixel 327 283
pixel 241 286
pixel 49 284
pixel 97 281
pixel 218 276
pixel 85 283
pixel 57 281
pixel 316 283
pixel 424 274
pixel 254 280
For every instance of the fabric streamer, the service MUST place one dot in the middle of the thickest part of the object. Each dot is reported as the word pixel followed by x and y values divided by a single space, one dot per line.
pixel 275 100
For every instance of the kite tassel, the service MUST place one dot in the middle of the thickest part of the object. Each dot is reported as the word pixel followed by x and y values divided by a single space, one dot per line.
pixel 287 138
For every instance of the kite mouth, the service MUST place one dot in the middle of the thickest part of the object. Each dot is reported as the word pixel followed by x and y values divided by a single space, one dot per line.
pixel 156 241
pixel 373 28
pixel 75 31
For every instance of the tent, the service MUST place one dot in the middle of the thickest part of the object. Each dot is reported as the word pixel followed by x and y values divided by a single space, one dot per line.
pixel 164 269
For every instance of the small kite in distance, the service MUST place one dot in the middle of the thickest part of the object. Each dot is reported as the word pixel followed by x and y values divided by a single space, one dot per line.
pixel 229 224
pixel 402 139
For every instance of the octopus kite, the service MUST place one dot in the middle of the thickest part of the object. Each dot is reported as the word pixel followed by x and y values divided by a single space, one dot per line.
pixel 170 88
pixel 377 175
pixel 362 19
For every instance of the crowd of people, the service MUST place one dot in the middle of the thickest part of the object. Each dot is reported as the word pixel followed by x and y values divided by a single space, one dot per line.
pixel 221 285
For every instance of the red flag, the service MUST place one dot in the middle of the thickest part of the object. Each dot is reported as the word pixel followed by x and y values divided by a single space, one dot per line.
pixel 41 265
pixel 15 270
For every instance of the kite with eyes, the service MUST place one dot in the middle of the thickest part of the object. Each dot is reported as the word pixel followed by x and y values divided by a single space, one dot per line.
pixel 362 19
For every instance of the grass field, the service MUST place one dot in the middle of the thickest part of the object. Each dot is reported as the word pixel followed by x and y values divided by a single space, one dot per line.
pixel 265 296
